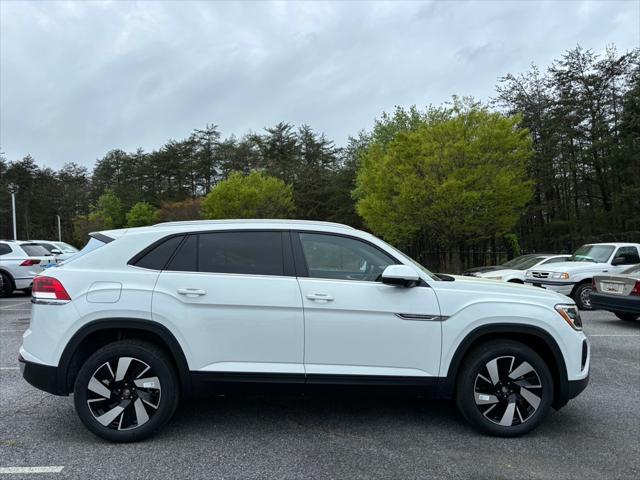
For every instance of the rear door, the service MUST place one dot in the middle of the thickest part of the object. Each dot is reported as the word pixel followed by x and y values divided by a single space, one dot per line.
pixel 234 299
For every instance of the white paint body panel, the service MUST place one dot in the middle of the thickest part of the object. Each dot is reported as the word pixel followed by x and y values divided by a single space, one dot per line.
pixel 252 323
pixel 244 323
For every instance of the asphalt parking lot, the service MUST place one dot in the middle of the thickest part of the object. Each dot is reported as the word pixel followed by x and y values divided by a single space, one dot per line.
pixel 596 436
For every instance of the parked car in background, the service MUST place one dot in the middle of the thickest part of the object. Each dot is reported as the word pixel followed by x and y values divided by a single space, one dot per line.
pixel 145 315
pixel 619 293
pixel 516 273
pixel 61 250
pixel 575 277
pixel 473 272
pixel 19 263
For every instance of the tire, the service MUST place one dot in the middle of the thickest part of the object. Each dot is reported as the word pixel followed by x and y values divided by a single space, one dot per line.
pixel 581 296
pixel 6 285
pixel 134 409
pixel 627 317
pixel 495 404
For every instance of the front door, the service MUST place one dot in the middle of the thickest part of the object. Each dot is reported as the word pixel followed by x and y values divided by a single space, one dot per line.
pixel 356 325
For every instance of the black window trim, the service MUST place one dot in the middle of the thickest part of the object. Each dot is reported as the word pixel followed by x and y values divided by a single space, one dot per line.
pixel 288 261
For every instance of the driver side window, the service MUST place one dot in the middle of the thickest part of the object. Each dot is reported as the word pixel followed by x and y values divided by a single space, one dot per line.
pixel 342 258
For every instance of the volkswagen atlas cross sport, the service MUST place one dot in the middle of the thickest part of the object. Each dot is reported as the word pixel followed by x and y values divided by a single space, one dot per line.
pixel 144 316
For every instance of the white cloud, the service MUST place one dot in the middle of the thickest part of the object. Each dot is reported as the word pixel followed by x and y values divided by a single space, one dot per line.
pixel 80 78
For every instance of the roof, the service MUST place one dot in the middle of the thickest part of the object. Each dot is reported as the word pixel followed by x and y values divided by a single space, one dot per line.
pixel 246 221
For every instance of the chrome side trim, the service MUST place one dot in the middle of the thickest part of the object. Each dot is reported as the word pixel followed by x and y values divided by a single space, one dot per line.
pixel 421 317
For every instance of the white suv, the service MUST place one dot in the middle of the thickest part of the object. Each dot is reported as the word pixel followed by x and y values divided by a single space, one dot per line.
pixel 575 276
pixel 19 262
pixel 145 315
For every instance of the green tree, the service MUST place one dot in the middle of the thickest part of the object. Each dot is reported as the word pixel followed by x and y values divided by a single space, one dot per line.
pixel 252 196
pixel 457 179
pixel 141 214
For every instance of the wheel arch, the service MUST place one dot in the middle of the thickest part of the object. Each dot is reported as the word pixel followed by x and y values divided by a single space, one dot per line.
pixel 8 273
pixel 101 332
pixel 534 337
pixel 579 284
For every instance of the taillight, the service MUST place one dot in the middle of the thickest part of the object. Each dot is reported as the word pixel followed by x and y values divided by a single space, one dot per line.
pixel 29 262
pixel 48 288
pixel 636 289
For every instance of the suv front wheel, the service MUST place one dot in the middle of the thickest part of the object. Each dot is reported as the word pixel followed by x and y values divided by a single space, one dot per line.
pixel 504 388
pixel 126 391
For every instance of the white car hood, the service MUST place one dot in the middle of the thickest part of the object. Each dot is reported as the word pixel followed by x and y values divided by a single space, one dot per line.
pixel 571 267
pixel 500 273
pixel 486 287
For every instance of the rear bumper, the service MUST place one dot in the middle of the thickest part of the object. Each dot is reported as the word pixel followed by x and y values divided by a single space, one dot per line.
pixel 615 303
pixel 43 377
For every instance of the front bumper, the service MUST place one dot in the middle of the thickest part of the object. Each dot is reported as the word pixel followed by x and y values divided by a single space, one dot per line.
pixel 43 377
pixel 615 303
pixel 564 288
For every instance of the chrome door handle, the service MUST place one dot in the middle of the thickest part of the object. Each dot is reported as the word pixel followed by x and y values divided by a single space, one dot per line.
pixel 320 297
pixel 191 292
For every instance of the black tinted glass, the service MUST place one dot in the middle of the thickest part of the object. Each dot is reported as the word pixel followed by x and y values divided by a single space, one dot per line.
pixel 157 258
pixel 185 258
pixel 257 253
pixel 4 249
pixel 34 250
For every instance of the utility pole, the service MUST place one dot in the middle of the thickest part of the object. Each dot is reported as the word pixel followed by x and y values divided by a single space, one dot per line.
pixel 13 188
pixel 59 229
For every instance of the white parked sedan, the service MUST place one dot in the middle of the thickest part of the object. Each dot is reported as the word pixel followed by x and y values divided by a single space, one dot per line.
pixel 516 274
pixel 61 250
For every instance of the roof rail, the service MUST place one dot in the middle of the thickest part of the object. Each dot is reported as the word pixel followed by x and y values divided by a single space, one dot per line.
pixel 251 220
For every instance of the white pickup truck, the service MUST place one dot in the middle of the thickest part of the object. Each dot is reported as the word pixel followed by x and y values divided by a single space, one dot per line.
pixel 574 277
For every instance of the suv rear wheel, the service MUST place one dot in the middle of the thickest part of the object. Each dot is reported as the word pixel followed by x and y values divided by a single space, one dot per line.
pixel 504 388
pixel 126 391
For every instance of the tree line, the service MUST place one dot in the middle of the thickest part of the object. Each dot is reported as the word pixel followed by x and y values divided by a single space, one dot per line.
pixel 552 161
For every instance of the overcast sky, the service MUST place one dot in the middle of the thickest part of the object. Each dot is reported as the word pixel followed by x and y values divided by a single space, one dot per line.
pixel 80 78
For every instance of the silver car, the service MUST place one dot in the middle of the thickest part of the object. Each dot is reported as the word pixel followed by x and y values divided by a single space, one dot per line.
pixel 61 250
pixel 619 293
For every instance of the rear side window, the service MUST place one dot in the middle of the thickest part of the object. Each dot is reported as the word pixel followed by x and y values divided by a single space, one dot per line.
pixel 4 249
pixel 158 257
pixel 34 250
pixel 254 253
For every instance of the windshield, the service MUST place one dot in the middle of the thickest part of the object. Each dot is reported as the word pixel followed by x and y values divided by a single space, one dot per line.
pixel 431 275
pixel 528 263
pixel 34 250
pixel 66 248
pixel 592 253
pixel 514 262
pixel 91 245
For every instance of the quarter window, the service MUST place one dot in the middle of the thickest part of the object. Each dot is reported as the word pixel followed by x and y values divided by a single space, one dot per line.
pixel 4 249
pixel 342 258
pixel 157 258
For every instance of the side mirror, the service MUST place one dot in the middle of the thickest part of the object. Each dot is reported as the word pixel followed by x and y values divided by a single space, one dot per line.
pixel 55 251
pixel 618 261
pixel 400 276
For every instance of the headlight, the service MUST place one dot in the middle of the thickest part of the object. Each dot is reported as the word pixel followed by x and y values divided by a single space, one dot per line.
pixel 571 315
pixel 563 275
